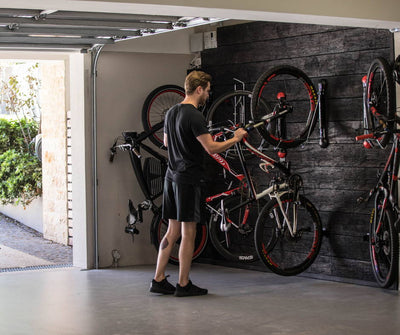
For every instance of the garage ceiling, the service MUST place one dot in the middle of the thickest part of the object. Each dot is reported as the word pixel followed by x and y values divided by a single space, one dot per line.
pixel 54 29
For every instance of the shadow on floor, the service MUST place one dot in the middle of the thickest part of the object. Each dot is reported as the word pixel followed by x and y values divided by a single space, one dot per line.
pixel 22 247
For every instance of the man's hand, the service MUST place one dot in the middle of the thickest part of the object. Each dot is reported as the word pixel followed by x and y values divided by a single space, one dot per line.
pixel 239 134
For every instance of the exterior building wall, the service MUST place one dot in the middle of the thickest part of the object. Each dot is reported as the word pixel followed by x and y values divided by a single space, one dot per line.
pixel 55 209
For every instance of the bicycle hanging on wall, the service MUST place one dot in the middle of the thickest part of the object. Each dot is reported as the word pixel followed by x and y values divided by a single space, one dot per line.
pixel 287 86
pixel 380 123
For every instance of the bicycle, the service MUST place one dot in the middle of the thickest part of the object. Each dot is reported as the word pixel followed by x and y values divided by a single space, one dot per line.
pixel 288 229
pixel 383 233
pixel 287 86
pixel 379 121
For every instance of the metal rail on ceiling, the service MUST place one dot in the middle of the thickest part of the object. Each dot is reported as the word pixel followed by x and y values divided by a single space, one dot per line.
pixel 27 28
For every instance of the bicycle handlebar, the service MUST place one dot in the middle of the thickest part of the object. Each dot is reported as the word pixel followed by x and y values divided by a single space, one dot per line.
pixel 135 141
pixel 255 124
pixel 248 127
pixel 377 135
pixel 126 147
pixel 364 137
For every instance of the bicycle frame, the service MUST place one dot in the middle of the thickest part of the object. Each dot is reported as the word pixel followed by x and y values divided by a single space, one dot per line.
pixel 137 164
pixel 389 176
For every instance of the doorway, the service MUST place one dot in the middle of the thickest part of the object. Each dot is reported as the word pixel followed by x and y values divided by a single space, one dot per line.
pixel 41 233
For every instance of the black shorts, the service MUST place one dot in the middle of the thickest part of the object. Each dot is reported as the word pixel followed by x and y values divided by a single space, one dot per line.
pixel 183 202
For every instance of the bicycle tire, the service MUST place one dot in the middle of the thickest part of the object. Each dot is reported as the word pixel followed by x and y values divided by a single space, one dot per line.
pixel 383 245
pixel 223 113
pixel 240 246
pixel 159 228
pixel 156 105
pixel 300 93
pixel 281 253
pixel 380 95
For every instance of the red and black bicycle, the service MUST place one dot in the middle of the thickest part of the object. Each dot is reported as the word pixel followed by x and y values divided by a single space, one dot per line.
pixel 380 129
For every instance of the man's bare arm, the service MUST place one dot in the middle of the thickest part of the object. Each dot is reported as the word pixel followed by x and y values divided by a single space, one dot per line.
pixel 213 147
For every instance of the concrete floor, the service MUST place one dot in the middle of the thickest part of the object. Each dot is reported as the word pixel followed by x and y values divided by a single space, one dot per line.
pixel 117 302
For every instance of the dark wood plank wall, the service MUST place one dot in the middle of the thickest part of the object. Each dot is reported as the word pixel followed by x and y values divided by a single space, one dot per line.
pixel 336 176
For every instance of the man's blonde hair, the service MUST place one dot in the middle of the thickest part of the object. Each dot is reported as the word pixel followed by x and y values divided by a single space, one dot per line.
pixel 195 79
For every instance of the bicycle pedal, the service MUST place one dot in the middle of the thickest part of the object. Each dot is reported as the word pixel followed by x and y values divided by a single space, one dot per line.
pixel 360 200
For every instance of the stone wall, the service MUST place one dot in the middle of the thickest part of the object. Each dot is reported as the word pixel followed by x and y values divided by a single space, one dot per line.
pixel 55 216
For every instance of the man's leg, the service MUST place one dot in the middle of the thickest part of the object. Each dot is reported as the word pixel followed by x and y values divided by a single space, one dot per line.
pixel 186 250
pixel 168 241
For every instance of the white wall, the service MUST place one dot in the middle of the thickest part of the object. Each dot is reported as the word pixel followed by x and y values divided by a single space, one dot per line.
pixel 124 81
pixel 78 82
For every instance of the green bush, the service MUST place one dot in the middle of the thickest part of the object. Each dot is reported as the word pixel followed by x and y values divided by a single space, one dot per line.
pixel 20 172
pixel 11 134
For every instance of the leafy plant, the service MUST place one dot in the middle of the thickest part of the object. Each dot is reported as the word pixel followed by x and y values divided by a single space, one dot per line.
pixel 10 133
pixel 20 177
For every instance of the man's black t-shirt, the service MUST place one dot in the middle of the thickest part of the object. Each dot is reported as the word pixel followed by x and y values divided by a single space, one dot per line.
pixel 183 123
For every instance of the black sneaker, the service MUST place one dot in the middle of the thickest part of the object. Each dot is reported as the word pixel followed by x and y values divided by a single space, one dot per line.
pixel 163 287
pixel 189 290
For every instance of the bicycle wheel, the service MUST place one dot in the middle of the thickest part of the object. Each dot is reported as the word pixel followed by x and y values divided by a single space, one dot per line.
pixel 234 108
pixel 282 87
pixel 156 105
pixel 383 244
pixel 237 243
pixel 379 97
pixel 159 228
pixel 281 252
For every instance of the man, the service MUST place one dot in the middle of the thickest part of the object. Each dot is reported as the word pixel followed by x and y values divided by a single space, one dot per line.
pixel 187 137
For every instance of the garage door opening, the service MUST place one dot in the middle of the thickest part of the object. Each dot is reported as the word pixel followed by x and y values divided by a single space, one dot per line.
pixel 37 230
